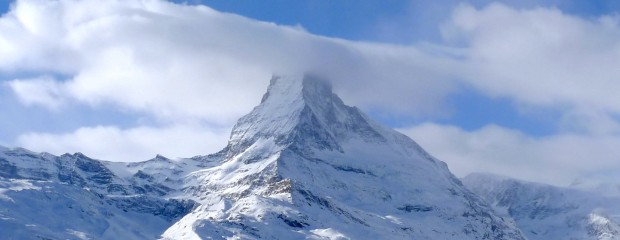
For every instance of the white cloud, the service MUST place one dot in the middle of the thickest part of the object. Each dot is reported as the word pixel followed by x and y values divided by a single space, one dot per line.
pixel 30 40
pixel 43 91
pixel 130 145
pixel 162 58
pixel 179 61
pixel 557 159
pixel 540 57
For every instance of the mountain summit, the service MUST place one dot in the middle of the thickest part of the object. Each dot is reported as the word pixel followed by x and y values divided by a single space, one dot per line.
pixel 301 165
pixel 304 113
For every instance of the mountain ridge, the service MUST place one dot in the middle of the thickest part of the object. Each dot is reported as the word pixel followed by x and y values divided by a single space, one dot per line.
pixel 544 211
pixel 301 165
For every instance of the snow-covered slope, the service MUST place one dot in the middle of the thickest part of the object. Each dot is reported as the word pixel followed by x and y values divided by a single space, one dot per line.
pixel 549 212
pixel 301 165
pixel 74 197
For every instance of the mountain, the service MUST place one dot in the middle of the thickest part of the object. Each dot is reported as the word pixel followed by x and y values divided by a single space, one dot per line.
pixel 43 196
pixel 301 165
pixel 311 166
pixel 549 212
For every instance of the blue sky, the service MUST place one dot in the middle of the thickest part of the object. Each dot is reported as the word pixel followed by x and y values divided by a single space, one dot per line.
pixel 483 85
pixel 400 21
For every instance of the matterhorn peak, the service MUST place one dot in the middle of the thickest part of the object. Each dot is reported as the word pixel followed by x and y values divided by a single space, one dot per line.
pixel 301 111
pixel 306 87
pixel 306 163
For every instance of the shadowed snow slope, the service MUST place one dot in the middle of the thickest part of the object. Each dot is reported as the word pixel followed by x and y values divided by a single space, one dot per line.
pixel 301 165
pixel 548 212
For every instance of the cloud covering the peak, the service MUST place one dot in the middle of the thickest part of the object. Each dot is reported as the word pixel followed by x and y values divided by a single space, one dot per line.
pixel 164 58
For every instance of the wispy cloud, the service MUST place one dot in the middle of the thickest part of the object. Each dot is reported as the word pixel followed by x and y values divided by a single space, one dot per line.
pixel 132 144
pixel 44 91
pixel 557 159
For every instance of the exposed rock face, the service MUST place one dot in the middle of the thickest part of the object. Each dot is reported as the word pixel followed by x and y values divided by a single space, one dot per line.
pixel 300 165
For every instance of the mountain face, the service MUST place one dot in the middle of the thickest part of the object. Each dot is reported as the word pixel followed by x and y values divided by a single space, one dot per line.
pixel 301 165
pixel 549 212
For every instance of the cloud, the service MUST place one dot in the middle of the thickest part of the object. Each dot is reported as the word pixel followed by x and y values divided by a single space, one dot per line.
pixel 43 91
pixel 557 159
pixel 162 58
pixel 178 61
pixel 30 40
pixel 540 57
pixel 130 145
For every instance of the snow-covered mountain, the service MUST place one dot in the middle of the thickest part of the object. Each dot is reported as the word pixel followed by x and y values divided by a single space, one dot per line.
pixel 301 165
pixel 549 212
pixel 74 197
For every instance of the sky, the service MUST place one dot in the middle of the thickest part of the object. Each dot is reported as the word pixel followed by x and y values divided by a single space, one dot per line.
pixel 526 89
